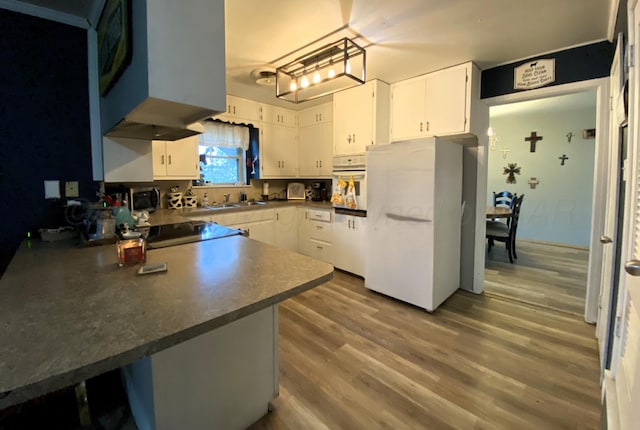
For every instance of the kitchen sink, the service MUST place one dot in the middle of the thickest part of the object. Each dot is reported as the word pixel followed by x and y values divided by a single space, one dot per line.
pixel 223 206
pixel 251 203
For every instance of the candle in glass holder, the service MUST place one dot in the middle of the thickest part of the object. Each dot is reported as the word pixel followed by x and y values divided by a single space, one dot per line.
pixel 131 251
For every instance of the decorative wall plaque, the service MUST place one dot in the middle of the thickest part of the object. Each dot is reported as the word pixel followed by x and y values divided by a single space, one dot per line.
pixel 534 74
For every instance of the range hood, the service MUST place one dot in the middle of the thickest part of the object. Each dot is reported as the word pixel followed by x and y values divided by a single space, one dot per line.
pixel 139 130
pixel 158 119
pixel 176 73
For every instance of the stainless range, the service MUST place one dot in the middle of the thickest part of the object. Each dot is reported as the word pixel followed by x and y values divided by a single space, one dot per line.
pixel 161 236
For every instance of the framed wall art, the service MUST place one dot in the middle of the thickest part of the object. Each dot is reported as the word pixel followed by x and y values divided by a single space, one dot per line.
pixel 114 42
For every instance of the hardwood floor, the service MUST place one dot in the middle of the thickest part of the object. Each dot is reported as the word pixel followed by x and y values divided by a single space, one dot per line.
pixel 547 275
pixel 354 359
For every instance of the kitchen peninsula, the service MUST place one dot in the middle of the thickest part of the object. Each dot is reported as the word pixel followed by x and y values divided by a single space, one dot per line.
pixel 70 313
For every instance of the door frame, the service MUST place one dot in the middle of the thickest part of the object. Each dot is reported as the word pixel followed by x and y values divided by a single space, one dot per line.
pixel 600 173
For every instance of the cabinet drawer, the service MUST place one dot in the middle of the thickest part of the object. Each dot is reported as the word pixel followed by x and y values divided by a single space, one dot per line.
pixel 320 230
pixel 319 215
pixel 320 250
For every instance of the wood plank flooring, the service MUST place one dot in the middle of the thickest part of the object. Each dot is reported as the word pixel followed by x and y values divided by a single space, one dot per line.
pixel 547 275
pixel 354 359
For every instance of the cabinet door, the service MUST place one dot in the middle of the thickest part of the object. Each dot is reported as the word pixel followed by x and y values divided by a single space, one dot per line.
pixel 315 115
pixel 349 243
pixel 446 97
pixel 262 231
pixel 353 120
pixel 182 158
pixel 278 116
pixel 279 149
pixel 159 158
pixel 240 108
pixel 408 118
pixel 304 227
pixel 286 231
pixel 315 150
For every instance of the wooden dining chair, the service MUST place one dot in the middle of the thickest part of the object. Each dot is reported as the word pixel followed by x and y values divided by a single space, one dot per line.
pixel 503 199
pixel 501 232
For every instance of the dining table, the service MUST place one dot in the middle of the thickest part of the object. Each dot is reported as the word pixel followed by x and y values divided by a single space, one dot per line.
pixel 498 212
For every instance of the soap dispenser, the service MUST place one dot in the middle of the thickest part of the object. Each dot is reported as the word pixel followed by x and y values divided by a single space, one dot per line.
pixel 205 200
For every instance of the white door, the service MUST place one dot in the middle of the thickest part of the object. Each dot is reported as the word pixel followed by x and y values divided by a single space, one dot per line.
pixel 622 383
pixel 609 239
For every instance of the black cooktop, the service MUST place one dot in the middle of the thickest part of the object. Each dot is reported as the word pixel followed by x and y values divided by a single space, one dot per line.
pixel 161 236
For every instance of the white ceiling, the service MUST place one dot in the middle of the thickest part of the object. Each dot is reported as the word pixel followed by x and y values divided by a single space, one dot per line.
pixel 404 38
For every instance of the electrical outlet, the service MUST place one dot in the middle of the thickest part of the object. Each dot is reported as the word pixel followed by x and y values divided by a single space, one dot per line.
pixel 71 189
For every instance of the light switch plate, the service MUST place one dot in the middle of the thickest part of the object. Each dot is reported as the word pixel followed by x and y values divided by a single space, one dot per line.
pixel 71 189
pixel 51 189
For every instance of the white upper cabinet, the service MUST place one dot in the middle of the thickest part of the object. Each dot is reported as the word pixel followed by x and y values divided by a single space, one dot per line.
pixel 360 117
pixel 279 116
pixel 239 109
pixel 279 151
pixel 315 141
pixel 316 115
pixel 436 104
pixel 176 159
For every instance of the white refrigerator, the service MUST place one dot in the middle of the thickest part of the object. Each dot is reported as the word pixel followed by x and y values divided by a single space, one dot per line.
pixel 414 210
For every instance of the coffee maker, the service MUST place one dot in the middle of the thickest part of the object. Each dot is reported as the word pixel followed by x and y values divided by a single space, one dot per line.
pixel 318 191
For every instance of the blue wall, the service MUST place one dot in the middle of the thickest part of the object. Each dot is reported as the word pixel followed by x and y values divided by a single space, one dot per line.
pixel 572 65
pixel 44 123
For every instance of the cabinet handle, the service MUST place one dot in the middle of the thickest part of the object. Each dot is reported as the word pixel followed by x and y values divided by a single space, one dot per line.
pixel 427 125
pixel 348 223
pixel 162 159
pixel 169 158
pixel 319 247
pixel 234 110
pixel 306 215
pixel 277 217
pixel 320 163
pixel 229 108
pixel 319 227
pixel 354 138
pixel 420 125
pixel 320 115
pixel 283 164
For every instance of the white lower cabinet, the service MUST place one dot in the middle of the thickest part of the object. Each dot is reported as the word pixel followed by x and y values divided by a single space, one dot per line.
pixel 259 224
pixel 286 231
pixel 314 233
pixel 349 242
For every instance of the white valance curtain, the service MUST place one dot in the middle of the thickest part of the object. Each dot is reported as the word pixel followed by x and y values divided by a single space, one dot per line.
pixel 225 135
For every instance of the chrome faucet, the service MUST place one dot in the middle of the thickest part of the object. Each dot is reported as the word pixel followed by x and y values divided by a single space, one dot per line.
pixel 226 198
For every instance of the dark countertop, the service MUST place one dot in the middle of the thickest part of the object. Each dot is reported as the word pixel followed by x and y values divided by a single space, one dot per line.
pixel 70 313
pixel 172 216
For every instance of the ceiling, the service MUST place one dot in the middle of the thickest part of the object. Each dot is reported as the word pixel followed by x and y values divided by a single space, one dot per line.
pixel 403 38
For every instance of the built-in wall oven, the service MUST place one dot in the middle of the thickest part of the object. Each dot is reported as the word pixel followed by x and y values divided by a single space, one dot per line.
pixel 347 168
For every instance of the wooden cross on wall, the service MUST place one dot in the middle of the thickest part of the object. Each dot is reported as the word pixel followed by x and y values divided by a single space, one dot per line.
pixel 533 139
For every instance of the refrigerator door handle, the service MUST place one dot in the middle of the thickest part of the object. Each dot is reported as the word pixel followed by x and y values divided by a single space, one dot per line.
pixel 406 218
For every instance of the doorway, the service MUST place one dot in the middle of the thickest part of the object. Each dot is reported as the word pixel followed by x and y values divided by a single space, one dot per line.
pixel 600 175
pixel 555 174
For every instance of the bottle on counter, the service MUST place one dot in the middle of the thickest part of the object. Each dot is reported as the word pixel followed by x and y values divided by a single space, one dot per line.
pixel 205 200
pixel 131 251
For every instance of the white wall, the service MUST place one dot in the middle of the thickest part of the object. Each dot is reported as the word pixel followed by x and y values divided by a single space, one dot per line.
pixel 559 208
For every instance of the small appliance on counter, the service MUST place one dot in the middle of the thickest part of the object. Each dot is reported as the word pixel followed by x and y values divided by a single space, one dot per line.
pixel 144 199
pixel 318 192
pixel 295 191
